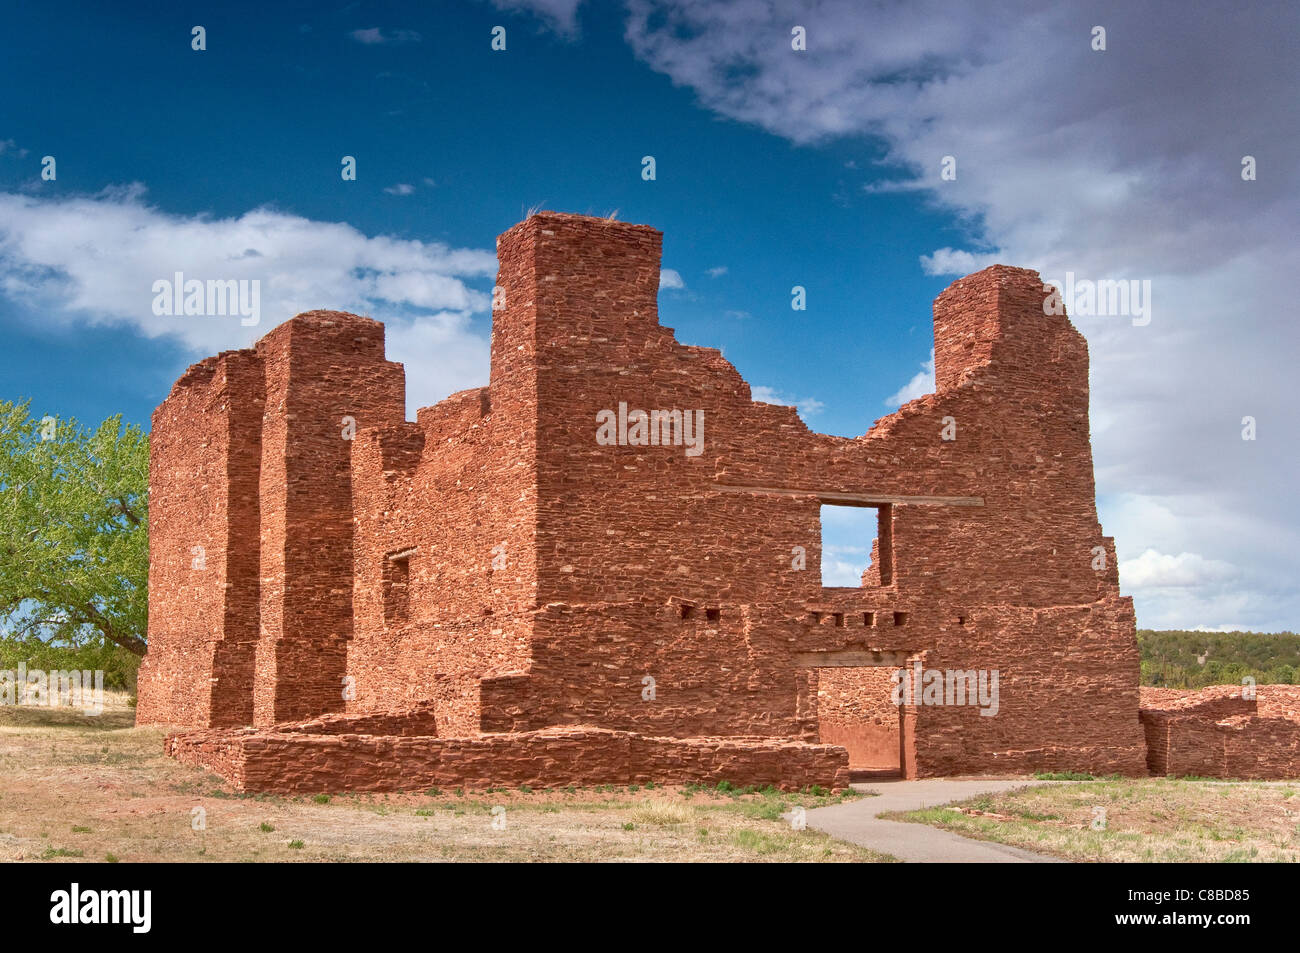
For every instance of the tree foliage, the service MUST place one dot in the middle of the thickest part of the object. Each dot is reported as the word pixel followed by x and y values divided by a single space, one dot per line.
pixel 1180 659
pixel 74 544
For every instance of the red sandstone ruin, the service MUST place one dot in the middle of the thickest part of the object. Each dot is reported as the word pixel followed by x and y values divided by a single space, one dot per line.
pixel 490 595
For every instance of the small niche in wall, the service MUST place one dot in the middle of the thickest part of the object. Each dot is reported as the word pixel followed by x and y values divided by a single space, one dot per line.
pixel 713 615
pixel 397 587
pixel 900 618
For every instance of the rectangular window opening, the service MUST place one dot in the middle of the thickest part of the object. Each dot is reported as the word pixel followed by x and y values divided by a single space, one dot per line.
pixel 857 546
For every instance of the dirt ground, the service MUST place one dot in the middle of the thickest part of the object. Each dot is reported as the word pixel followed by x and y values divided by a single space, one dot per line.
pixel 83 788
pixel 1148 819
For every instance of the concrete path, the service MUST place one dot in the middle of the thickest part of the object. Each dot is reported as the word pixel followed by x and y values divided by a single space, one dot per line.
pixel 856 821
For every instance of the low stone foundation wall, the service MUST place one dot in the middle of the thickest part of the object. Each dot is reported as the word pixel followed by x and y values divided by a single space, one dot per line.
pixel 298 762
pixel 1215 733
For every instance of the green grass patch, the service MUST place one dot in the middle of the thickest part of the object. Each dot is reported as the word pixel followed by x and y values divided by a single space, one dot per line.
pixel 51 852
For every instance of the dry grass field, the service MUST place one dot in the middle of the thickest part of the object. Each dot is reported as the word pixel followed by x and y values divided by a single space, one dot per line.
pixel 1147 820
pixel 100 789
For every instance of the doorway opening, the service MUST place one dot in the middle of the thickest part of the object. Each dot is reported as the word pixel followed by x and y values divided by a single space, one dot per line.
pixel 856 710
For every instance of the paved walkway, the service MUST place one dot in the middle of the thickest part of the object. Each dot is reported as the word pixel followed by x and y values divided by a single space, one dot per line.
pixel 856 821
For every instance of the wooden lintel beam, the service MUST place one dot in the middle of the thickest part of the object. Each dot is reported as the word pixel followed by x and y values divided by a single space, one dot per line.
pixel 853 658
pixel 862 499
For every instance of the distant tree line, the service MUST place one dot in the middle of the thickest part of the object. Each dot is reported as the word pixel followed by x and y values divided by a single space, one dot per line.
pixel 1178 659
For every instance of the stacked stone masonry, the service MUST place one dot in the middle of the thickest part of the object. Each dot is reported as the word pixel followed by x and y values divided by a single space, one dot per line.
pixel 1223 731
pixel 344 599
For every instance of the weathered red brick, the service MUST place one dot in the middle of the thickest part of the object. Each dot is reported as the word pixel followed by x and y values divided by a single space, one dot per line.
pixel 373 559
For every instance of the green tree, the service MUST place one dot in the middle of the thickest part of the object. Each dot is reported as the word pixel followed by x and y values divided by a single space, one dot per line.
pixel 74 542
pixel 1173 658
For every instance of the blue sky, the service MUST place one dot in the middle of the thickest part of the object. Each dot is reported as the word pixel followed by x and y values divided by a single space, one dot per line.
pixel 263 117
pixel 774 168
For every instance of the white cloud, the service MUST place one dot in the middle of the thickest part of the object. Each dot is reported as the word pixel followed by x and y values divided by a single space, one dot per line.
pixel 922 383
pixel 374 36
pixel 559 15
pixel 670 279
pixel 717 272
pixel 893 186
pixel 806 406
pixel 1154 570
pixel 94 259
pixel 1060 167
pixel 841 572
pixel 442 353
pixel 401 188
pixel 952 261
pixel 1245 584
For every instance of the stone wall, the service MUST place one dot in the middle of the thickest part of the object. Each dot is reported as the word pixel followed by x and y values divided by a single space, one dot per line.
pixel 250 470
pixel 1216 733
pixel 205 457
pixel 286 763
pixel 497 565
pixel 652 562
